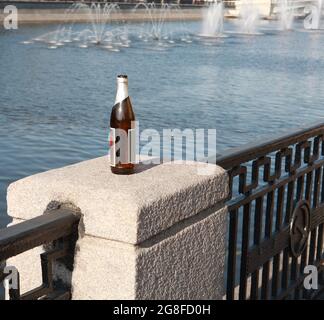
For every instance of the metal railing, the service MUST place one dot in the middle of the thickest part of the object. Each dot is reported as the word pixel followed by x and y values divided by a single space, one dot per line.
pixel 276 216
pixel 57 231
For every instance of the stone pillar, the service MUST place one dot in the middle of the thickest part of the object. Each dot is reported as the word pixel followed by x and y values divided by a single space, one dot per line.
pixel 156 234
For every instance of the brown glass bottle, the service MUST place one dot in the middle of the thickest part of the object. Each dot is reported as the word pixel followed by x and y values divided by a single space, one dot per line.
pixel 122 131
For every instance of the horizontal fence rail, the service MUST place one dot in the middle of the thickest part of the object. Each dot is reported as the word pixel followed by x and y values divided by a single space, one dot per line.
pixel 276 215
pixel 57 232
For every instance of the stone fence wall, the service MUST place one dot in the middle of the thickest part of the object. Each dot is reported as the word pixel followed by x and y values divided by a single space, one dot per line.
pixel 157 234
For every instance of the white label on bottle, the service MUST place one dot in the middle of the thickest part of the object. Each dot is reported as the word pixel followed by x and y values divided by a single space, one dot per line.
pixel 122 146
pixel 112 145
pixel 131 146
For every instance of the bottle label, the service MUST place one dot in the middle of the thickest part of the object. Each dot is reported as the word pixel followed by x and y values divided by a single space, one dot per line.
pixel 131 146
pixel 122 146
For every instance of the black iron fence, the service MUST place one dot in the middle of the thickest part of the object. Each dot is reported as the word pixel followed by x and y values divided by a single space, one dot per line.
pixel 276 216
pixel 57 231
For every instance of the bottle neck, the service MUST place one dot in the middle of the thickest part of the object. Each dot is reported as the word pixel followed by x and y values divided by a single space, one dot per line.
pixel 122 91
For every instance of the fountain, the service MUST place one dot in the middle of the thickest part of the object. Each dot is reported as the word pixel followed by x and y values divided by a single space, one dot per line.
pixel 286 15
pixel 98 32
pixel 101 33
pixel 249 17
pixel 155 28
pixel 156 32
pixel 313 13
pixel 213 20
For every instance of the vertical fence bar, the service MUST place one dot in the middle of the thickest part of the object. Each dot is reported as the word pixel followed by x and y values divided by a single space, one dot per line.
pixel 244 252
pixel 276 259
pixel 232 250
pixel 257 239
pixel 312 244
pixel 319 254
pixel 299 195
pixel 267 233
pixel 308 197
pixel 285 260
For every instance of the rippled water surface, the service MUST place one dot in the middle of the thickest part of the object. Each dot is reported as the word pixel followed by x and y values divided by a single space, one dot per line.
pixel 55 104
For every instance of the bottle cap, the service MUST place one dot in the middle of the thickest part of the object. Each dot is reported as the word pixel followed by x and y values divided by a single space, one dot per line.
pixel 122 78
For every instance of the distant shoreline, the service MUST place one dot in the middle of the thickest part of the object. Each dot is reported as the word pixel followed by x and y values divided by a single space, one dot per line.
pixel 26 4
pixel 54 12
pixel 36 16
pixel 48 12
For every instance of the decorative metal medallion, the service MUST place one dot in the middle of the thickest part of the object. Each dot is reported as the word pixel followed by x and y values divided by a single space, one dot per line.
pixel 299 228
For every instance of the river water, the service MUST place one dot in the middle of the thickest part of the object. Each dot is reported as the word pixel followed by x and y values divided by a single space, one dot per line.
pixel 55 104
